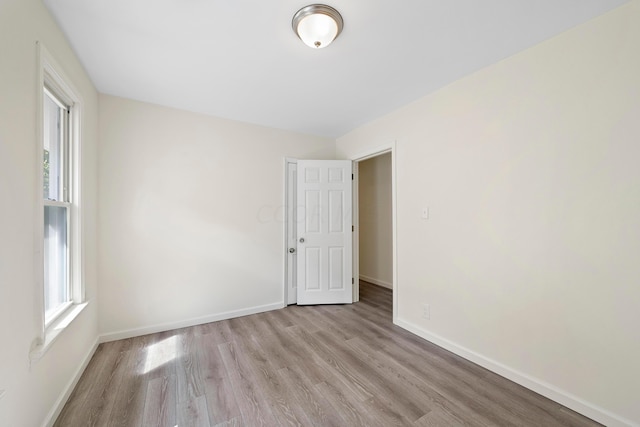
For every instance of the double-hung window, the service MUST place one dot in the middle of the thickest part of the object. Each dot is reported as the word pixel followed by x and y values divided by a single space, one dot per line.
pixel 60 280
pixel 57 175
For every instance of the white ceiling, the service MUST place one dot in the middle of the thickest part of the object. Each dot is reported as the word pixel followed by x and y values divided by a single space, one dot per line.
pixel 239 59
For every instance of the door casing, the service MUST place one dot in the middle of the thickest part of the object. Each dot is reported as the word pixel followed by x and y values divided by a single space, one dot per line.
pixel 290 232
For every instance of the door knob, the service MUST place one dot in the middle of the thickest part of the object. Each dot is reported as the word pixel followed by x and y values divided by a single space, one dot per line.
pixel 292 250
pixel 302 240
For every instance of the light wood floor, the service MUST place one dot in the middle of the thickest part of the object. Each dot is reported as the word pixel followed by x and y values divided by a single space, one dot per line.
pixel 344 365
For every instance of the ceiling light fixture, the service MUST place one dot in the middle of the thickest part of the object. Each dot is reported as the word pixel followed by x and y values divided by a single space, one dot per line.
pixel 317 25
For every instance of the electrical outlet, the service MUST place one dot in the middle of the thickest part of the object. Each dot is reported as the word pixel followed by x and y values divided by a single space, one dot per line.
pixel 426 311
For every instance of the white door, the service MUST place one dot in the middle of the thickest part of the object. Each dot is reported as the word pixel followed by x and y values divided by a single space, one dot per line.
pixel 324 220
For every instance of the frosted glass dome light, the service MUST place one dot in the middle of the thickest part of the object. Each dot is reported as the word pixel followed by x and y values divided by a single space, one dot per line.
pixel 317 25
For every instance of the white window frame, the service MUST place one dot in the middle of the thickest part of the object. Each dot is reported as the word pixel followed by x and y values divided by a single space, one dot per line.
pixel 51 75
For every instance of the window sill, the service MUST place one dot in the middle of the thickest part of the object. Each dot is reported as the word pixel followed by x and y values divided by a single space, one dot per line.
pixel 54 330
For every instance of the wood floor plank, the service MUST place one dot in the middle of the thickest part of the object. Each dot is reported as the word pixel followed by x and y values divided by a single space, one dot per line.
pixel 325 318
pixel 370 375
pixel 324 357
pixel 212 367
pixel 351 409
pixel 277 318
pixel 389 414
pixel 236 422
pixel 219 397
pixel 253 405
pixel 128 407
pixel 240 328
pixel 336 365
pixel 431 393
pixel 188 375
pixel 438 418
pixel 72 414
pixel 221 401
pixel 462 392
pixel 97 399
pixel 193 413
pixel 102 404
pixel 298 316
pixel 160 408
pixel 264 372
pixel 282 349
pixel 160 353
pixel 307 402
pixel 451 381
pixel 218 332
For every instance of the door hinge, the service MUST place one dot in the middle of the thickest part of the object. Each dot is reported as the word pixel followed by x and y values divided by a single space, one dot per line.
pixel 353 282
pixel 353 228
pixel 351 177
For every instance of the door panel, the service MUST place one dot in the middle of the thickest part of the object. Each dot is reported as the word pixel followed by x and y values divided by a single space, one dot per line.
pixel 324 232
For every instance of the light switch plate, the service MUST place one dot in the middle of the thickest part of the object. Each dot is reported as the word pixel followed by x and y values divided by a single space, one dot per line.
pixel 425 213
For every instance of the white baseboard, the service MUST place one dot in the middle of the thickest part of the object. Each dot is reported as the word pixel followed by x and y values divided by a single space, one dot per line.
pixel 136 332
pixel 569 400
pixel 376 281
pixel 62 400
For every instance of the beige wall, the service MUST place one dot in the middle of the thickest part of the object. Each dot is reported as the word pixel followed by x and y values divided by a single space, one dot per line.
pixel 529 260
pixel 32 392
pixel 191 224
pixel 375 227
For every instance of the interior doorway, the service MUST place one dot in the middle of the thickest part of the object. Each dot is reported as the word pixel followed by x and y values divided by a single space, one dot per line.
pixel 375 221
pixel 358 159
pixel 290 232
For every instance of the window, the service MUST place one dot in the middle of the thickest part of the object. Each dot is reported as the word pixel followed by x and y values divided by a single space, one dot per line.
pixel 60 278
pixel 56 176
pixel 60 283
